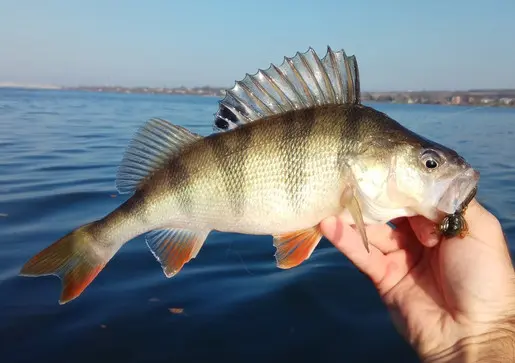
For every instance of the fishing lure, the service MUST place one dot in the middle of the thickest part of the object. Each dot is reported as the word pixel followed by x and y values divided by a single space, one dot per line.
pixel 455 224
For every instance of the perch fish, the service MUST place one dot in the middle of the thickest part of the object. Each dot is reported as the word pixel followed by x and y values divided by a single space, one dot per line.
pixel 292 145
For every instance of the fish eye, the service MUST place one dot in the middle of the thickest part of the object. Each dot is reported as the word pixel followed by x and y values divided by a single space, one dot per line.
pixel 431 159
pixel 431 163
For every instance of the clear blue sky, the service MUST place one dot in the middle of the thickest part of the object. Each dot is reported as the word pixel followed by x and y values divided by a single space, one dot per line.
pixel 417 44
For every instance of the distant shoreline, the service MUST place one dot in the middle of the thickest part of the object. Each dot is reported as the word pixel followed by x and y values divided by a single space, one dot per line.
pixel 490 97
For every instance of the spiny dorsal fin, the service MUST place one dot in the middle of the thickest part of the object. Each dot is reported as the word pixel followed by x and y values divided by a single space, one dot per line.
pixel 152 146
pixel 299 82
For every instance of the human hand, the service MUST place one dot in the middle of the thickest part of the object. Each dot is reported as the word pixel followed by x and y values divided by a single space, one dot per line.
pixel 452 300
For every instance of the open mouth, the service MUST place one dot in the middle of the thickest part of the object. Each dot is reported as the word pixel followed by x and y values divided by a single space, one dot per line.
pixel 460 192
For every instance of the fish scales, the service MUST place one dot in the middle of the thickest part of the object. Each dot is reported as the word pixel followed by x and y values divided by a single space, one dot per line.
pixel 274 172
pixel 292 146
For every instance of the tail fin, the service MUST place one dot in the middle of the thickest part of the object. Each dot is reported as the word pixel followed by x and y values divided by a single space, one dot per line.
pixel 74 258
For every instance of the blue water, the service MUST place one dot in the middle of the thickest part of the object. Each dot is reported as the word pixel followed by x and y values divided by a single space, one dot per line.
pixel 58 157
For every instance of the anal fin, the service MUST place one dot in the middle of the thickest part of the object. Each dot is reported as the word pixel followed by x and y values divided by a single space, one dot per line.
pixel 174 247
pixel 295 247
pixel 351 203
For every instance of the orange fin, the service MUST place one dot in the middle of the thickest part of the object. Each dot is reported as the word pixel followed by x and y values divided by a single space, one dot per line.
pixel 175 247
pixel 295 247
pixel 68 259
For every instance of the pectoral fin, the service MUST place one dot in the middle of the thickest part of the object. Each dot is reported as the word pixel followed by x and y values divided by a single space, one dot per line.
pixel 295 247
pixel 351 203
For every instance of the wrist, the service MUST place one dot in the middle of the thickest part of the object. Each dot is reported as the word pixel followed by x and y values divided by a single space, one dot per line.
pixel 494 346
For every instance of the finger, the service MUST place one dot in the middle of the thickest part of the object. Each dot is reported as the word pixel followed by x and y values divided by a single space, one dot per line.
pixel 385 238
pixel 398 265
pixel 425 230
pixel 402 232
pixel 401 261
pixel 385 271
pixel 348 241
pixel 388 237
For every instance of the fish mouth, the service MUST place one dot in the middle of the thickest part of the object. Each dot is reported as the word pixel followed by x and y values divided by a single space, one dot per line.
pixel 460 192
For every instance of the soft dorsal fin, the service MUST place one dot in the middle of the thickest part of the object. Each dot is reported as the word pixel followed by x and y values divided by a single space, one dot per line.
pixel 152 146
pixel 299 82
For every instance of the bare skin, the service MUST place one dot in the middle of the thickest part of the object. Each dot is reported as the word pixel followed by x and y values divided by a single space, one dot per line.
pixel 453 300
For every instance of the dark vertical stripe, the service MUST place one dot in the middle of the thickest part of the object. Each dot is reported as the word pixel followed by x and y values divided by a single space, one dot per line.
pixel 352 122
pixel 180 182
pixel 230 152
pixel 294 150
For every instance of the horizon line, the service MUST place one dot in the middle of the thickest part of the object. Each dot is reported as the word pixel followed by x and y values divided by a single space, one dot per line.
pixel 43 86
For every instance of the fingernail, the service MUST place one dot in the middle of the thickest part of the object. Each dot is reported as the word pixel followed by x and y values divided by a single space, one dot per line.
pixel 432 239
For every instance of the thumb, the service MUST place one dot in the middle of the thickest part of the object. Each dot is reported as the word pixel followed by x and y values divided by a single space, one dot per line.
pixel 481 224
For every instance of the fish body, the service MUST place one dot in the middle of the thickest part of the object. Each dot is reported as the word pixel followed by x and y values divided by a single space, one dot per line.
pixel 268 177
pixel 293 146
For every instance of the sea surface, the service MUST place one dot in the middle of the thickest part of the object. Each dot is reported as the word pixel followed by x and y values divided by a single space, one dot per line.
pixel 59 152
